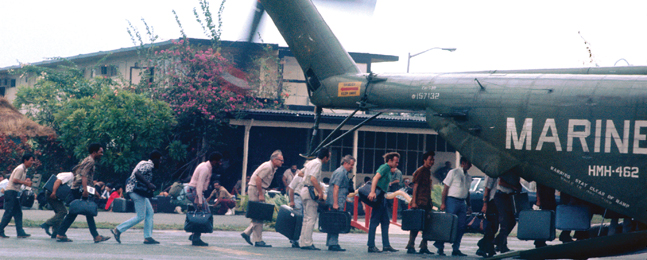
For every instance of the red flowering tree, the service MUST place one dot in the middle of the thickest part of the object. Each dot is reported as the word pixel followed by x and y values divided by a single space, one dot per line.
pixel 203 87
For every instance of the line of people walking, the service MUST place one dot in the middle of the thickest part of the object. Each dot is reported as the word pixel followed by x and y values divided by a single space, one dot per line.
pixel 306 193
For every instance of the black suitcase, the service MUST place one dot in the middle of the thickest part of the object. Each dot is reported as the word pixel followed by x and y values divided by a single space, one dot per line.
pixel 413 219
pixel 569 217
pixel 365 190
pixel 119 205
pixel 164 204
pixel 259 210
pixel 153 204
pixel 536 225
pixel 443 227
pixel 130 206
pixel 334 222
pixel 27 198
pixel 289 222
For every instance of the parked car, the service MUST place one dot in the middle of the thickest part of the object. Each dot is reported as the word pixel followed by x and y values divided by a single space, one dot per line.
pixel 478 187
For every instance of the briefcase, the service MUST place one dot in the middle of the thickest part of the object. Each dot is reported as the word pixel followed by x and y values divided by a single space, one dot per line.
pixel 63 193
pixel 198 222
pixel 413 219
pixel 443 227
pixel 536 225
pixel 119 205
pixel 365 190
pixel 289 222
pixel 259 211
pixel 570 217
pixel 334 222
pixel 49 185
pixel 83 207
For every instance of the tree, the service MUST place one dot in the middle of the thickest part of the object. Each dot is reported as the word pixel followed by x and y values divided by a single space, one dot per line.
pixel 129 125
pixel 194 81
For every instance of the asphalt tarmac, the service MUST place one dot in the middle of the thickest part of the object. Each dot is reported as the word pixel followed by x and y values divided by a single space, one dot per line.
pixel 222 244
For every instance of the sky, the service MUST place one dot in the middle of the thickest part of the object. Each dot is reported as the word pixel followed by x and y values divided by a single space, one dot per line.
pixel 488 35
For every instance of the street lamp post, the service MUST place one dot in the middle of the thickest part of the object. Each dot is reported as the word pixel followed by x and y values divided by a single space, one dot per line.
pixel 434 48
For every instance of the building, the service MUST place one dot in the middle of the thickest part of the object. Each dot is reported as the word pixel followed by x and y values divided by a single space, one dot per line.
pixel 262 131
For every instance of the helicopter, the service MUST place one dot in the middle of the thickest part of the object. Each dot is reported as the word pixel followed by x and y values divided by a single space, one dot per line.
pixel 580 131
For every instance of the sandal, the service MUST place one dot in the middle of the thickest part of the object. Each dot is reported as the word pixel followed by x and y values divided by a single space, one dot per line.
pixel 150 241
pixel 63 239
pixel 100 239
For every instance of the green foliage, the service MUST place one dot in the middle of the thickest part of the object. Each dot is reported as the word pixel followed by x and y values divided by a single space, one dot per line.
pixel 53 89
pixel 129 125
pixel 437 195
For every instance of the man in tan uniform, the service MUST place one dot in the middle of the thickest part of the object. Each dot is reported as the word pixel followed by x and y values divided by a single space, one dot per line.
pixel 258 183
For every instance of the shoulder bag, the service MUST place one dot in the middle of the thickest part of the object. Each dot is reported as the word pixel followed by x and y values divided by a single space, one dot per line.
pixel 83 207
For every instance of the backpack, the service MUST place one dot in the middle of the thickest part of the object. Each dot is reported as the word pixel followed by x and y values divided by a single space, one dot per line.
pixel 176 189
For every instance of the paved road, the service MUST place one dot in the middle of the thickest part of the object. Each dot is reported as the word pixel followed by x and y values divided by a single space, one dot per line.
pixel 223 244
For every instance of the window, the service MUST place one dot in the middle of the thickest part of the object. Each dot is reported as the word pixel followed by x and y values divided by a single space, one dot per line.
pixel 108 70
pixel 13 83
pixel 1 91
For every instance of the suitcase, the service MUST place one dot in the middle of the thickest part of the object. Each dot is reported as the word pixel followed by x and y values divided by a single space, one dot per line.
pixel 164 204
pixel 413 219
pixel 569 217
pixel 119 205
pixel 259 211
pixel 153 204
pixel 365 190
pixel 27 198
pixel 334 222
pixel 130 206
pixel 536 225
pixel 289 222
pixel 443 227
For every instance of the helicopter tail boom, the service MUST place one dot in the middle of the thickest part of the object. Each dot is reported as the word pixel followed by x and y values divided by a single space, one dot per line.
pixel 320 54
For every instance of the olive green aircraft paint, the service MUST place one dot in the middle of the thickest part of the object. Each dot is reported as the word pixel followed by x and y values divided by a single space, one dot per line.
pixel 583 132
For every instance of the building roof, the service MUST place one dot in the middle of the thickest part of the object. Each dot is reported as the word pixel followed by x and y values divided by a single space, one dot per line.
pixel 13 123
pixel 336 118
pixel 283 51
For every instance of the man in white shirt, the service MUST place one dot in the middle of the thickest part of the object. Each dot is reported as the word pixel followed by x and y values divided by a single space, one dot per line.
pixel 486 244
pixel 311 179
pixel 507 186
pixel 288 175
pixel 456 200
pixel 294 190
pixel 64 178
pixel 12 205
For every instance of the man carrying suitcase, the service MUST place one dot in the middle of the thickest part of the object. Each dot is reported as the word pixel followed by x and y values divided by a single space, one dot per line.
pixel 337 192
pixel 311 178
pixel 258 183
pixel 64 178
pixel 380 215
pixel 486 244
pixel 456 200
pixel 421 199
pixel 83 176
pixel 294 190
pixel 507 187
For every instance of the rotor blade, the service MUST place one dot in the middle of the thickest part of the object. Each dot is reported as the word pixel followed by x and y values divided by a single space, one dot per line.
pixel 258 15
